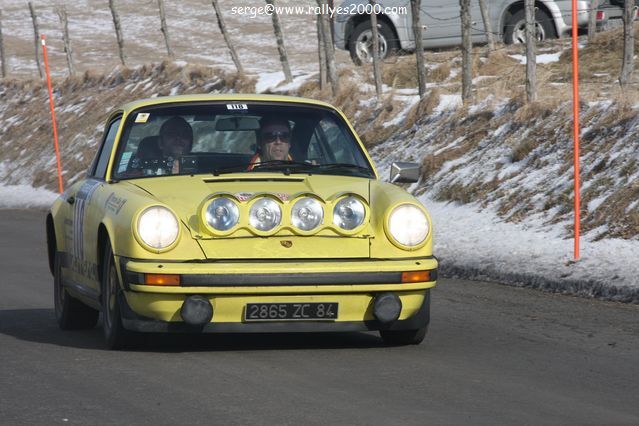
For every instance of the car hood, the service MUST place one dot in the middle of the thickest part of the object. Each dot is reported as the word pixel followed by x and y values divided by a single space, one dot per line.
pixel 186 196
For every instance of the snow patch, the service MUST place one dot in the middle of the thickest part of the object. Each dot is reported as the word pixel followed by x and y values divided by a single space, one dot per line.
pixel 25 196
pixel 467 239
pixel 448 103
pixel 268 80
pixel 545 58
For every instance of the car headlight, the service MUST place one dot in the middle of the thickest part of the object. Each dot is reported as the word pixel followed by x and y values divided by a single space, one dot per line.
pixel 158 227
pixel 349 213
pixel 408 225
pixel 265 214
pixel 222 214
pixel 307 214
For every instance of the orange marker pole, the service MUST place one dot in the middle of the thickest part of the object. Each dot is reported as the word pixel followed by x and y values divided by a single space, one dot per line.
pixel 575 94
pixel 55 127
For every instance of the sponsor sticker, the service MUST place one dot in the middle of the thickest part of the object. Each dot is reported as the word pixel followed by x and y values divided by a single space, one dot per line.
pixel 142 117
pixel 82 198
pixel 235 107
pixel 114 204
pixel 243 196
pixel 124 162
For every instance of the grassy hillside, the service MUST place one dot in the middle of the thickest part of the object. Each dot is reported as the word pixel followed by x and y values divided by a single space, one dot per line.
pixel 496 152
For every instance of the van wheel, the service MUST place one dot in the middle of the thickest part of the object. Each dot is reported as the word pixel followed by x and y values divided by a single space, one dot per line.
pixel 70 313
pixel 360 44
pixel 515 31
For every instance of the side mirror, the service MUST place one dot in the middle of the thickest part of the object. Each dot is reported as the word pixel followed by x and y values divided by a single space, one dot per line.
pixel 402 172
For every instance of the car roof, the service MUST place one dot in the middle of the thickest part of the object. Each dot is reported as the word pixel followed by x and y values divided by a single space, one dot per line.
pixel 220 97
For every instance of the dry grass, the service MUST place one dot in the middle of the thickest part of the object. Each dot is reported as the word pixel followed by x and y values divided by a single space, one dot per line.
pixel 457 192
pixel 402 74
pixel 439 74
pixel 497 63
pixel 309 89
pixel 373 121
pixel 524 148
pixel 347 97
pixel 536 111
pixel 615 206
pixel 423 108
pixel 377 135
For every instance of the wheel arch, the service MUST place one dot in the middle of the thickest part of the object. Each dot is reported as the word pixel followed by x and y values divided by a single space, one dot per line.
pixel 519 5
pixel 51 242
pixel 103 239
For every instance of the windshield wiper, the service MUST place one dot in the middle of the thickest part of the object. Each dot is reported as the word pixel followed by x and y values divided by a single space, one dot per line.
pixel 281 163
pixel 225 170
pixel 293 166
pixel 344 166
pixel 284 165
pixel 331 166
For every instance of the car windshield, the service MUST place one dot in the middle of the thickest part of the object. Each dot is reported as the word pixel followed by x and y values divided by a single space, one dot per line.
pixel 237 137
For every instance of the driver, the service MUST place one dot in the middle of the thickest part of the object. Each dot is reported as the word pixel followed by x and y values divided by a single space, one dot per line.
pixel 274 140
pixel 176 139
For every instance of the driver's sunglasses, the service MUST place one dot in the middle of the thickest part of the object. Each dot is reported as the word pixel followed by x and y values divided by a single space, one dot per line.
pixel 270 137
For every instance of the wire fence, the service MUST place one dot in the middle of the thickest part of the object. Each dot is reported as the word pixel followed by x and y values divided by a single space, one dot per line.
pixel 437 19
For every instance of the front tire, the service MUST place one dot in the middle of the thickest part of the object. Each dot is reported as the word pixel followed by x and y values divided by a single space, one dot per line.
pixel 515 31
pixel 360 44
pixel 115 335
pixel 70 313
pixel 403 337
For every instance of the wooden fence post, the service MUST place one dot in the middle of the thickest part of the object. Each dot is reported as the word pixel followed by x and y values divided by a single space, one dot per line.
pixel 62 14
pixel 415 6
pixel 377 75
pixel 592 20
pixel 227 39
pixel 321 53
pixel 165 29
pixel 36 34
pixel 281 48
pixel 488 27
pixel 329 49
pixel 628 44
pixel 531 57
pixel 467 49
pixel 3 64
pixel 118 31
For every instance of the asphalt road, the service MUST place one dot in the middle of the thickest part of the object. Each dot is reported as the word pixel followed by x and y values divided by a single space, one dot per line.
pixel 494 354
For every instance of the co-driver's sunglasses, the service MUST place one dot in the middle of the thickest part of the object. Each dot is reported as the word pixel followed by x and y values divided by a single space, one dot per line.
pixel 270 137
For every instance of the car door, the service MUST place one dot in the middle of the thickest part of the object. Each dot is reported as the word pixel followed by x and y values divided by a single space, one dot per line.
pixel 88 212
pixel 442 22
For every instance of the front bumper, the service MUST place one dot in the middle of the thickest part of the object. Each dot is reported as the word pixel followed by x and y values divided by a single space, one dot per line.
pixel 229 287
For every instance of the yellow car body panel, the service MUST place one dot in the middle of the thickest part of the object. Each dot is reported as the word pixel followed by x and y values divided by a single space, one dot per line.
pixel 95 211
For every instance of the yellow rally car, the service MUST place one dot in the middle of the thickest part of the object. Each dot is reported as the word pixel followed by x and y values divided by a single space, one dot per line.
pixel 239 213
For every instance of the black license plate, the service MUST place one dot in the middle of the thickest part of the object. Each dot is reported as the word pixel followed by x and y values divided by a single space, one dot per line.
pixel 290 312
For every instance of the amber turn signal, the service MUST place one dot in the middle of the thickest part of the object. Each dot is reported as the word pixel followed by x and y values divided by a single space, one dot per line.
pixel 162 279
pixel 416 276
